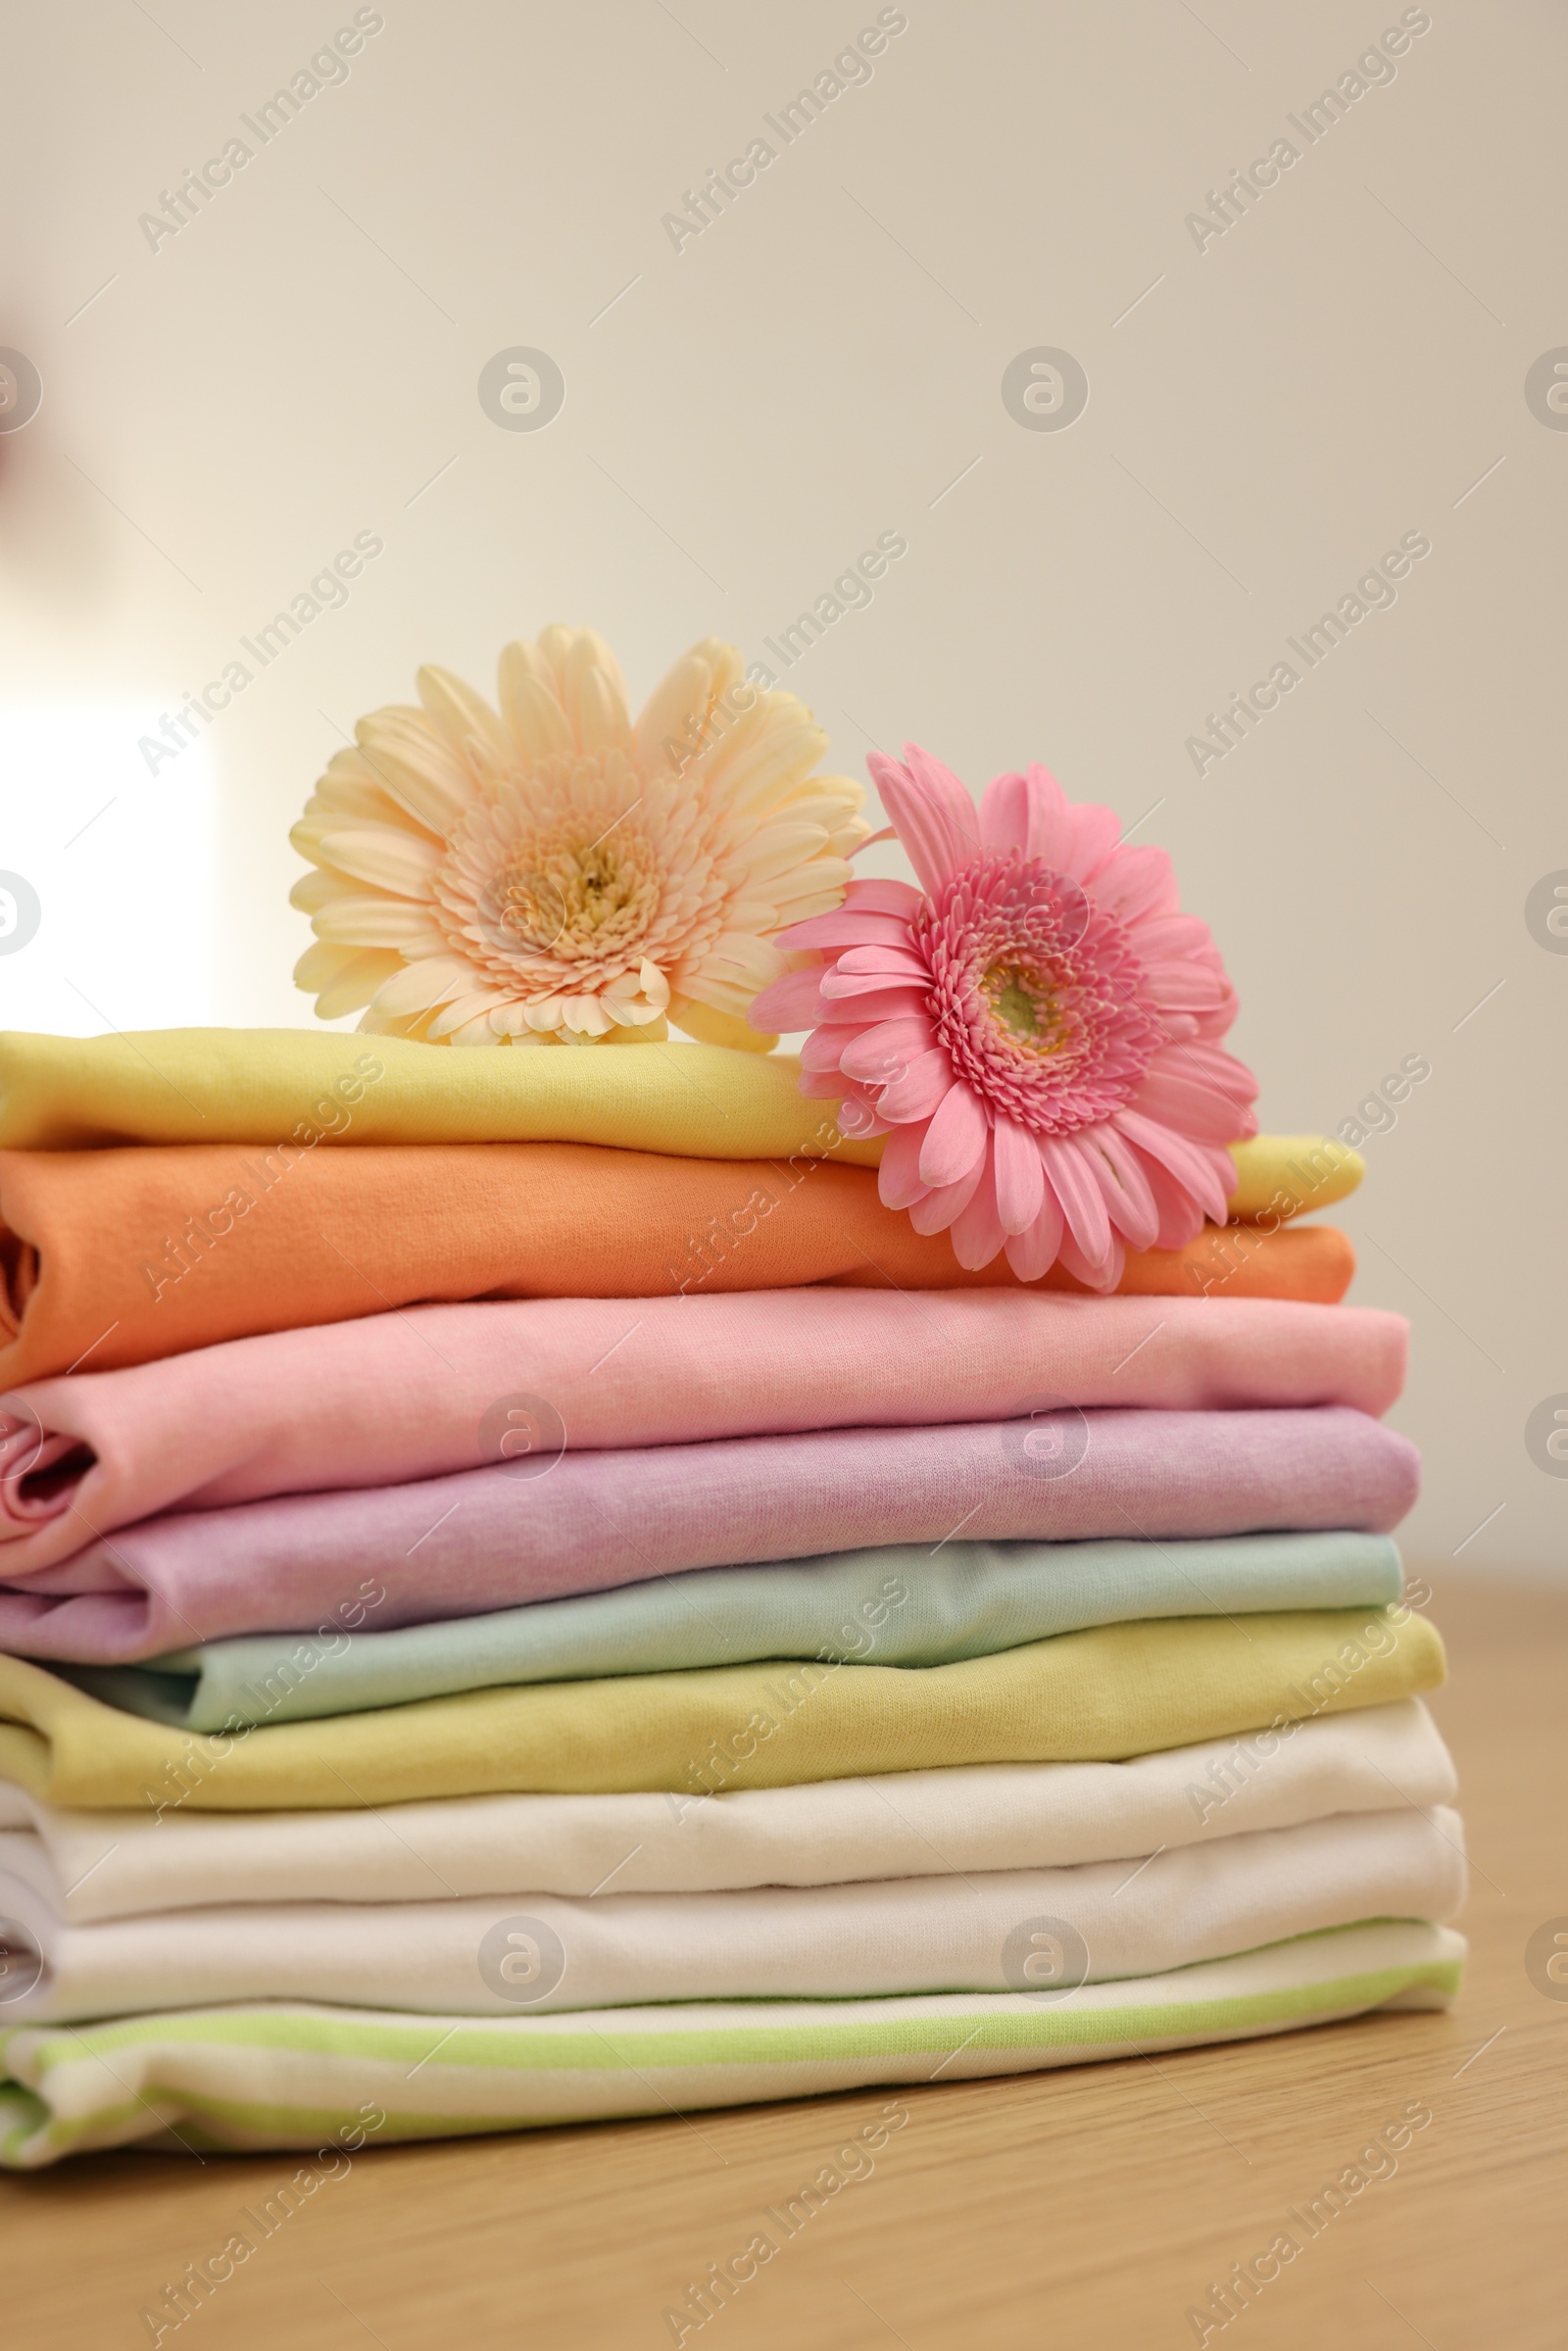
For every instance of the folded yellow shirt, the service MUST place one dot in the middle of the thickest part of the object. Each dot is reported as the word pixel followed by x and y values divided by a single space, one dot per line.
pixel 1279 1176
pixel 695 1102
pixel 1092 1697
pixel 259 1086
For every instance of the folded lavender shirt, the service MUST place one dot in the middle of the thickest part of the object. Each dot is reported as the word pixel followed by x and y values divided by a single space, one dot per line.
pixel 538 1527
pixel 419 1394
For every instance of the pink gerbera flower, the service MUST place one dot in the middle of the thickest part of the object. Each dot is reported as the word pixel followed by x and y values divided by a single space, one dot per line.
pixel 1037 1034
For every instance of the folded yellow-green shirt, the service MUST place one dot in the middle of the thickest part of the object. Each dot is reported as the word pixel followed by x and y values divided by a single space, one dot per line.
pixel 694 1102
pixel 1092 1697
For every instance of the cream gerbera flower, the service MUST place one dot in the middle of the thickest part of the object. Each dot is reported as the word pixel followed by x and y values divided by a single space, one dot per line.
pixel 559 872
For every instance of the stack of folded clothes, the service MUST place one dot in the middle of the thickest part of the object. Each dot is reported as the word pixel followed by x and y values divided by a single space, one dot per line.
pixel 530 1594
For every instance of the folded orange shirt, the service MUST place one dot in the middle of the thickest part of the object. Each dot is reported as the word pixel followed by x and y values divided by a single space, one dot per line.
pixel 110 1257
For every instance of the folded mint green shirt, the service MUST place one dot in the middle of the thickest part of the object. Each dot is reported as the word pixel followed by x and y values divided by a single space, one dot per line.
pixel 901 1605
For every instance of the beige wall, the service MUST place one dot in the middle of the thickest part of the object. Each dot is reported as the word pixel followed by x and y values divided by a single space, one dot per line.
pixel 819 366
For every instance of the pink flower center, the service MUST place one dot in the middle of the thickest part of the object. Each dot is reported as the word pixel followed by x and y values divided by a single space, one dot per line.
pixel 1037 994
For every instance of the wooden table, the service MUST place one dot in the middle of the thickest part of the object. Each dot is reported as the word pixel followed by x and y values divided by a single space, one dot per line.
pixel 1084 2208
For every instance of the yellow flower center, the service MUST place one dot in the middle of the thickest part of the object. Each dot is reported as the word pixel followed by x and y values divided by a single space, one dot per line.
pixel 1025 1005
pixel 576 900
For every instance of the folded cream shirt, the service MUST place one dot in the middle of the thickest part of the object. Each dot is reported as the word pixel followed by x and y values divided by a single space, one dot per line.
pixel 1023 1929
pixel 84 1866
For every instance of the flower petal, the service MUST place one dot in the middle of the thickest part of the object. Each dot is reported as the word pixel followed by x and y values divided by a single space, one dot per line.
pixel 411 758
pixel 859 1121
pixel 480 1030
pixel 977 1235
pixel 1185 1160
pixel 370 919
pixel 460 714
pixel 593 696
pixel 324 959
pixel 938 822
pixel 399 860
pixel 822 879
pixel 711 1027
pixel 1099 1274
pixel 902 962
pixel 670 723
pixel 530 705
pixel 1135 884
pixel 763 759
pixel 417 987
pixel 821 1049
pixel 841 985
pixel 348 983
pixel 317 889
pixel 935 1212
pixel 790 1003
pixel 739 955
pixel 1185 986
pixel 888 1003
pixel 1169 937
pixel 1209 1065
pixel 847 926
pixel 923 1087
pixel 897 1179
pixel 1032 1254
pixel 780 849
pixel 1181 1218
pixel 1124 1188
pixel 1020 1179
pixel 1096 833
pixel 882 1053
pixel 1189 1106
pixel 1049 835
pixel 883 896
pixel 1005 813
pixel 1082 1205
pixel 464 1010
pixel 956 1137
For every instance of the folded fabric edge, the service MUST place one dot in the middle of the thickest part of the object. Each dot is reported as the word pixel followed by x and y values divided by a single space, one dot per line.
pixel 261 1679
pixel 647 2070
pixel 43 1717
pixel 1283 1176
pixel 233 1858
pixel 1277 1176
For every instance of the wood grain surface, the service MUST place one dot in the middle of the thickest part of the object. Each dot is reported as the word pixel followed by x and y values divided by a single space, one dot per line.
pixel 1085 2208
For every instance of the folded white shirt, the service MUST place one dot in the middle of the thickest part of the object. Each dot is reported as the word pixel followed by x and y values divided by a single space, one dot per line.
pixel 98 1865
pixel 1030 1930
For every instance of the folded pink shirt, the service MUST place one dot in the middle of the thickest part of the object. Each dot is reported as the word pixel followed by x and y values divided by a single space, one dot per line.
pixel 417 1394
pixel 539 1527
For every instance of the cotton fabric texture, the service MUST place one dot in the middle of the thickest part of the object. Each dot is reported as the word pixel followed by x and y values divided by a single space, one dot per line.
pixel 1092 1697
pixel 308 2076
pixel 487 1539
pixel 89 1865
pixel 876 1939
pixel 414 1395
pixel 898 1605
pixel 117 1256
